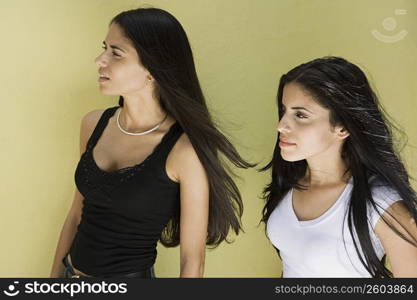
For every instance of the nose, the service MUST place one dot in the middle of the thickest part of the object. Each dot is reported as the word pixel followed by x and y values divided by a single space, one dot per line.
pixel 100 61
pixel 283 126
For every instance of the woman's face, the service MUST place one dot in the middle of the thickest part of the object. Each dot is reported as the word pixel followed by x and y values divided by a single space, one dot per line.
pixel 304 130
pixel 120 63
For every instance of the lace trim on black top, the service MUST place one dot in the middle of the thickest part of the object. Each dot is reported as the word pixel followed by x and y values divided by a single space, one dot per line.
pixel 129 169
pixel 90 156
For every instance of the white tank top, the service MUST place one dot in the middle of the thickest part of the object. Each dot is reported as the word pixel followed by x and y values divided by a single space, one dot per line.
pixel 315 248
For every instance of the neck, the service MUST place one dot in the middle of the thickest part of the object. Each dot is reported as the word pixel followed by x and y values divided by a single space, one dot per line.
pixel 326 169
pixel 140 112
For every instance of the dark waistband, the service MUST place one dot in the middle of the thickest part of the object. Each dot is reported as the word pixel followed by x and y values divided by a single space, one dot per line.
pixel 148 273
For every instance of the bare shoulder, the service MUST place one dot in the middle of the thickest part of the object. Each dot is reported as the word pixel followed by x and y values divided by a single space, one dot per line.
pixel 183 145
pixel 91 118
pixel 88 123
pixel 183 159
pixel 184 151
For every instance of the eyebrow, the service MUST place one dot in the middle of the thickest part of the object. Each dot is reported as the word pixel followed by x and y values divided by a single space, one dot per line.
pixel 114 47
pixel 300 108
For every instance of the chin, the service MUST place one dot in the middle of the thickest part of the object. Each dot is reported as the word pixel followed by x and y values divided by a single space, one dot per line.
pixel 290 158
pixel 106 92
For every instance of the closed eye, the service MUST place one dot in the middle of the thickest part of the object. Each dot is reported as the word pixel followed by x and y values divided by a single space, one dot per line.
pixel 114 53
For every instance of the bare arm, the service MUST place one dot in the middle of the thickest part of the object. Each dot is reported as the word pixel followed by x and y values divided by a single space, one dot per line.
pixel 402 255
pixel 194 190
pixel 67 235
pixel 73 218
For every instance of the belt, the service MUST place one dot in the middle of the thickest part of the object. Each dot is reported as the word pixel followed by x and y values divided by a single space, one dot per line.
pixel 148 273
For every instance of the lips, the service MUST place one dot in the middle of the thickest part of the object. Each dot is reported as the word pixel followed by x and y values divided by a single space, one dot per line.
pixel 285 143
pixel 102 74
pixel 281 139
pixel 103 78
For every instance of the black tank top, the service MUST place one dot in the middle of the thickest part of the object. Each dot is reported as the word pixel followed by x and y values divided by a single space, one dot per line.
pixel 124 211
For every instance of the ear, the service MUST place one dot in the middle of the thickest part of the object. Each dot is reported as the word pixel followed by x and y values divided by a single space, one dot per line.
pixel 148 76
pixel 341 132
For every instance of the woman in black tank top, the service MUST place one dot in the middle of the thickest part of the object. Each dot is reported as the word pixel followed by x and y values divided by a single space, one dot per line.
pixel 162 115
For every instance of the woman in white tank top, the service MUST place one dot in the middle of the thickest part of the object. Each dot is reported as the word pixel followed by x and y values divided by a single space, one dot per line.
pixel 340 200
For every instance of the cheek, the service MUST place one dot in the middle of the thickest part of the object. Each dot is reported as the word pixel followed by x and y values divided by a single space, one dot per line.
pixel 310 139
pixel 130 77
pixel 316 139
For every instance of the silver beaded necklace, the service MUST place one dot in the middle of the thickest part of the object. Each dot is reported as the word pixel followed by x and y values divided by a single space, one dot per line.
pixel 139 133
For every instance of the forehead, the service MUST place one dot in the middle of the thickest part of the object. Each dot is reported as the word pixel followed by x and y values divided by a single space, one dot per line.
pixel 115 36
pixel 295 95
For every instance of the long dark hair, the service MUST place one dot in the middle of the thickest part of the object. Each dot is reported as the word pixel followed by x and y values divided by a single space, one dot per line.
pixel 165 52
pixel 368 151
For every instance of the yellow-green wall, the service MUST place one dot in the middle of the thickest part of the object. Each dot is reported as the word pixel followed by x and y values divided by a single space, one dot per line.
pixel 241 47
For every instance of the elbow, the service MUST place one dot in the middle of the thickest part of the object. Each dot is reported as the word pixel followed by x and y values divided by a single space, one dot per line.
pixel 193 268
